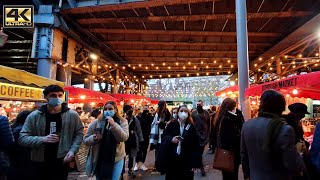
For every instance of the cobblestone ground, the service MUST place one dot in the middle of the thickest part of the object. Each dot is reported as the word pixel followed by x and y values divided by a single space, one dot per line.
pixel 212 174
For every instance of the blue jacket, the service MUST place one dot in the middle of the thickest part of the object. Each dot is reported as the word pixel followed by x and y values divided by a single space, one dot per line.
pixel 6 141
pixel 315 148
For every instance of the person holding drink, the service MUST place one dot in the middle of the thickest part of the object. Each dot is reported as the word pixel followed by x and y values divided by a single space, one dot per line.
pixel 54 134
pixel 106 136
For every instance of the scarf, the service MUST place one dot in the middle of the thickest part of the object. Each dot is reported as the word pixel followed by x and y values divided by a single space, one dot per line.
pixel 107 151
pixel 273 130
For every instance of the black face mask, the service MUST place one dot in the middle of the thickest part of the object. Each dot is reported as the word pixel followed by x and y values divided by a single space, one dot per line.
pixel 200 108
pixel 145 111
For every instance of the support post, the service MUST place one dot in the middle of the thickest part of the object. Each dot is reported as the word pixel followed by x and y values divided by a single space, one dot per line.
pixel 115 87
pixel 64 74
pixel 278 66
pixel 243 61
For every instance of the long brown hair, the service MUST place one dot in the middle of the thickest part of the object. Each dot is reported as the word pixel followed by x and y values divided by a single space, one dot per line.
pixel 189 119
pixel 162 108
pixel 228 104
pixel 115 108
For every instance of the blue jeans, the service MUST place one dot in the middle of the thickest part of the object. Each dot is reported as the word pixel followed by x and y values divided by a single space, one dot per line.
pixel 117 169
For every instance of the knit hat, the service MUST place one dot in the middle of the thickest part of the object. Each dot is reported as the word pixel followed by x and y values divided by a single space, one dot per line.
pixel 126 108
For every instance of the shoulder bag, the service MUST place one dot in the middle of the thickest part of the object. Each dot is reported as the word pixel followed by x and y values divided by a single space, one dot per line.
pixel 223 159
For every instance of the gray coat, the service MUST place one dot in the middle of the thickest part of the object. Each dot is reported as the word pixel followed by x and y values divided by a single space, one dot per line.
pixel 257 164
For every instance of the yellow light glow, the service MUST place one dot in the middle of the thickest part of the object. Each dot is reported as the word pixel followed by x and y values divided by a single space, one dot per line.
pixel 82 97
pixel 295 92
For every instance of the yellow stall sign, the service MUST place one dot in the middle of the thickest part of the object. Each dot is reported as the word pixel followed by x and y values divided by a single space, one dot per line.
pixel 8 91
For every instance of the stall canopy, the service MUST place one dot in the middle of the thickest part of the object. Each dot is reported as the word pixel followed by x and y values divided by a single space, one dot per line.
pixel 132 98
pixel 81 95
pixel 304 85
pixel 228 91
pixel 26 78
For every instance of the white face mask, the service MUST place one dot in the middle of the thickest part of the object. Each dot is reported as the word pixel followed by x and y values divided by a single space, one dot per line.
pixel 183 116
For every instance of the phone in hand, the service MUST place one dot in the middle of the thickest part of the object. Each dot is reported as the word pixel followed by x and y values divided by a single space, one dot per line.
pixel 97 130
pixel 180 138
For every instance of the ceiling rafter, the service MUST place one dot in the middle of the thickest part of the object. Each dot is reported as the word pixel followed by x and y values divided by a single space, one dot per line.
pixel 136 5
pixel 231 16
pixel 171 32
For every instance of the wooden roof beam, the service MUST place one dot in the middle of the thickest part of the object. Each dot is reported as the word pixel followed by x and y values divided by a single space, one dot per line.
pixel 174 59
pixel 187 33
pixel 162 43
pixel 232 16
pixel 135 5
pixel 177 51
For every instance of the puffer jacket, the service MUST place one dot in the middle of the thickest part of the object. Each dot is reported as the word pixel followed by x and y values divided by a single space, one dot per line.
pixel 6 141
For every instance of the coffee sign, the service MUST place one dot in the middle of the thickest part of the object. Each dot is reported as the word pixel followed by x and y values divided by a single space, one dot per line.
pixel 20 92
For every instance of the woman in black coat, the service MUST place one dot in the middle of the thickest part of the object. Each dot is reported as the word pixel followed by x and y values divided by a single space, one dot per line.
pixel 228 122
pixel 178 149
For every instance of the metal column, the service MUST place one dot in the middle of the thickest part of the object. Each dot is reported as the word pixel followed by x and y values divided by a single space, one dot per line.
pixel 243 60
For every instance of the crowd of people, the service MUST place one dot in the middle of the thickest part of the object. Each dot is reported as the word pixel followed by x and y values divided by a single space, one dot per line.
pixel 41 143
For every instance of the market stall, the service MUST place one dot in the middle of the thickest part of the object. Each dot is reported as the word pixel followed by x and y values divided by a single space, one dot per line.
pixel 302 88
pixel 21 90
pixel 232 91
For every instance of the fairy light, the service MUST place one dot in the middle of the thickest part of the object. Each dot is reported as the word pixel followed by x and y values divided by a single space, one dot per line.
pixel 201 62
pixel 207 73
pixel 178 75
pixel 164 64
pixel 215 62
pixel 300 55
pixel 116 65
pixel 142 76
pixel 169 75
pixel 317 54
pixel 229 61
pixel 255 65
pixel 123 67
pixel 271 68
pixel 294 66
pixel 152 64
pixel 189 63
pixel 157 67
pixel 272 57
pixel 177 63
pixel 220 66
pixel 187 74
pixel 184 67
pixel 207 66
pixel 194 67
pixel 198 74
pixel 169 67
pixel 231 66
pixel 286 56
pixel 147 67
pixel 260 58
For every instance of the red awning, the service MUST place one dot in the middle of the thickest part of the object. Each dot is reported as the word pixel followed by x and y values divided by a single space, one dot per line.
pixel 131 98
pixel 304 85
pixel 82 95
pixel 228 90
pixel 153 101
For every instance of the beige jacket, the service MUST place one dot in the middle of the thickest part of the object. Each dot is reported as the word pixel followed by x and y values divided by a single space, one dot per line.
pixel 120 132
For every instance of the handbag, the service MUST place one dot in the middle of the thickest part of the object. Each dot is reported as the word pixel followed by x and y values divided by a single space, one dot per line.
pixel 223 159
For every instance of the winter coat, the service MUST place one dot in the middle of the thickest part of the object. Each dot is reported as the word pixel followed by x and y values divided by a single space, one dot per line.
pixel 145 123
pixel 121 134
pixel 135 137
pixel 6 141
pixel 33 133
pixel 283 163
pixel 168 158
pixel 202 124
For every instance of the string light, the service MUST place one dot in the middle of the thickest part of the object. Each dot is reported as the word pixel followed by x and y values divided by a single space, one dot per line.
pixel 255 65
pixel 169 67
pixel 286 56
pixel 272 57
pixel 260 59
pixel 215 62
pixel 220 66
pixel 123 67
pixel 207 66
pixel 157 67
pixel 294 66
pixel 317 54
pixel 184 67
pixel 231 66
pixel 194 67
pixel 229 61
pixel 201 62
pixel 189 63
pixel 177 63
pixel 152 64
pixel 300 55
pixel 197 74
pixel 147 67
pixel 116 65
pixel 164 64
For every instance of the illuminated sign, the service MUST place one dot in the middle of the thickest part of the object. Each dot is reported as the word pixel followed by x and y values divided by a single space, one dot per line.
pixel 280 84
pixel 20 92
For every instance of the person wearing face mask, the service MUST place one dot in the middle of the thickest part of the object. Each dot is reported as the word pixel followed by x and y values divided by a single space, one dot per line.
pixel 177 156
pixel 134 140
pixel 145 118
pixel 54 134
pixel 106 136
pixel 201 120
pixel 228 122
pixel 174 112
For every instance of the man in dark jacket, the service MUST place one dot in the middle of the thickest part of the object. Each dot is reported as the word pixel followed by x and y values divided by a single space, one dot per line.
pixel 268 149
pixel 6 141
pixel 201 120
pixel 145 118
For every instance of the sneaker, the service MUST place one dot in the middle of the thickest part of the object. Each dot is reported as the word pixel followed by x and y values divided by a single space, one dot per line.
pixel 131 174
pixel 136 167
pixel 143 167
